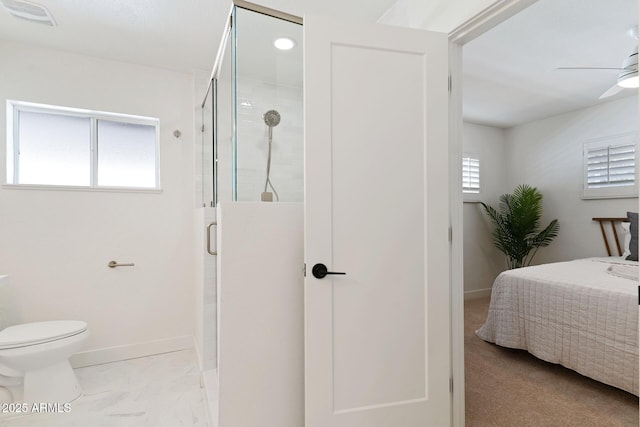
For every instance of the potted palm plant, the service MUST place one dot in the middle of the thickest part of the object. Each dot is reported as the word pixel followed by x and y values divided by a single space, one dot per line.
pixel 517 231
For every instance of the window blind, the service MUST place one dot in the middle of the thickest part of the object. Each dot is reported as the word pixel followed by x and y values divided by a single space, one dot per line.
pixel 470 175
pixel 611 166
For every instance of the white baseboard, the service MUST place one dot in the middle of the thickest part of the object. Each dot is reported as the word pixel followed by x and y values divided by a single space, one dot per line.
pixel 480 293
pixel 130 351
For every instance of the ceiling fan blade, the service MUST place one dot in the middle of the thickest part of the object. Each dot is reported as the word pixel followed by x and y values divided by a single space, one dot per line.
pixel 611 91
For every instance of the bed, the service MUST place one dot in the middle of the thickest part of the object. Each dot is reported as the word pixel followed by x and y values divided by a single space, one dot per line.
pixel 581 314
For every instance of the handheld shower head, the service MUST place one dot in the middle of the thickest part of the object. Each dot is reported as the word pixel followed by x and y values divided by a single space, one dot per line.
pixel 271 118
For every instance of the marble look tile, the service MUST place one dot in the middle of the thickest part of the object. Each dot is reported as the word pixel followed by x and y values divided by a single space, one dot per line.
pixel 161 390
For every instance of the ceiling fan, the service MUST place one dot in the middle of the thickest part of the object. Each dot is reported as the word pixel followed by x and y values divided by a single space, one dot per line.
pixel 627 75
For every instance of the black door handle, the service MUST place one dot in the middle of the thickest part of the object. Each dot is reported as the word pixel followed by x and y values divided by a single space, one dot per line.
pixel 320 270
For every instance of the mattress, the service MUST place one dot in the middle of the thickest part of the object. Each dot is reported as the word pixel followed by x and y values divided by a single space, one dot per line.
pixel 581 314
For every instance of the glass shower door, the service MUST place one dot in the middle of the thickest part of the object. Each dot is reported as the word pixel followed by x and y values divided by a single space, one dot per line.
pixel 208 190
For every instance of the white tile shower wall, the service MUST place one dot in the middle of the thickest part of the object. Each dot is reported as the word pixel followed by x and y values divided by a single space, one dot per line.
pixel 255 97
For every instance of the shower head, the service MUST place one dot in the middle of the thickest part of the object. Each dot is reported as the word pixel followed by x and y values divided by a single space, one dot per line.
pixel 271 118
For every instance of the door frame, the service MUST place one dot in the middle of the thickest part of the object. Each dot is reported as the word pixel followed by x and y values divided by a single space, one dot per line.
pixel 485 20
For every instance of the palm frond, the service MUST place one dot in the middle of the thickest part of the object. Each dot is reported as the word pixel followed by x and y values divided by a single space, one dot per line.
pixel 517 223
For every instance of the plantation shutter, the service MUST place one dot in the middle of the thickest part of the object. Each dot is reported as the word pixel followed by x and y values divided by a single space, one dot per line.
pixel 470 175
pixel 611 166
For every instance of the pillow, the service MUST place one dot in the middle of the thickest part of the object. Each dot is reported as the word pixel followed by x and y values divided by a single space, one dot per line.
pixel 633 245
pixel 627 239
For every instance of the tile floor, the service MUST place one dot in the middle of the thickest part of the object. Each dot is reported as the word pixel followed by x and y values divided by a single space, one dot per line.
pixel 159 391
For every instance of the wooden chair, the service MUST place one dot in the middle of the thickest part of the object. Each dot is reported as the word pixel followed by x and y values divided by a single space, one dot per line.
pixel 613 222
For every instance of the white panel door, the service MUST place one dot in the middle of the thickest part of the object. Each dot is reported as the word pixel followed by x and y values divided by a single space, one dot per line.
pixel 377 350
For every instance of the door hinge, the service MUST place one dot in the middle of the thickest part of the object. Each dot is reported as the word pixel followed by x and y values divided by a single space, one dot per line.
pixel 451 385
pixel 450 234
pixel 202 129
pixel 450 83
pixel 304 269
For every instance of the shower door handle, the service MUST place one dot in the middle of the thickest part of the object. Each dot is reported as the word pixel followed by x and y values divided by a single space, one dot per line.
pixel 209 239
pixel 319 271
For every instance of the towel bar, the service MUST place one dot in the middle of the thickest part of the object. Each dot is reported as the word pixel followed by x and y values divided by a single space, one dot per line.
pixel 114 264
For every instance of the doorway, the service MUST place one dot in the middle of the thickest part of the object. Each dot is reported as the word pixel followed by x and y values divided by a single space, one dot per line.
pixel 479 25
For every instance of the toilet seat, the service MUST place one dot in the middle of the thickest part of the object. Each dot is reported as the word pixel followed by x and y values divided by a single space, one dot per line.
pixel 28 334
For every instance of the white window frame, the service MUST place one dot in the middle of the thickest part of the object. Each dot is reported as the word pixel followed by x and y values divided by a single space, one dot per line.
pixel 468 195
pixel 13 143
pixel 612 192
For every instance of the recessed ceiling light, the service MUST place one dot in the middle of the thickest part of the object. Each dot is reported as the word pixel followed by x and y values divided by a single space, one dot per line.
pixel 284 43
pixel 30 11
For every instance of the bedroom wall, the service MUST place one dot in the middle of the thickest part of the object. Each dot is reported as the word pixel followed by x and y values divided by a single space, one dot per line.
pixel 56 244
pixel 547 154
pixel 482 261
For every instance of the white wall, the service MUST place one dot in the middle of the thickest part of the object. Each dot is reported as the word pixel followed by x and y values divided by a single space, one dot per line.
pixel 434 15
pixel 482 261
pixel 547 154
pixel 56 244
pixel 261 317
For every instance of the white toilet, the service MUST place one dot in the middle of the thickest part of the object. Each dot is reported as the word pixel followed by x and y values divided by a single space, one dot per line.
pixel 34 360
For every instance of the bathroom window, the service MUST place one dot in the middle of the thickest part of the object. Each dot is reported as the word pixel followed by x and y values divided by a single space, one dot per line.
pixel 57 146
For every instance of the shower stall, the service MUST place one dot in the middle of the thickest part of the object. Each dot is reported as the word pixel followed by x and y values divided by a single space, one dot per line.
pixel 252 112
pixel 252 192
pixel 352 198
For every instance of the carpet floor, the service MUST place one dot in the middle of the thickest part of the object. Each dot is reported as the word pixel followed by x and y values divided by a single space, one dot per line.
pixel 507 387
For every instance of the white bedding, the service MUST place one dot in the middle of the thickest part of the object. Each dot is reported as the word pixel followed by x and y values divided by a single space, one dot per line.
pixel 582 314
